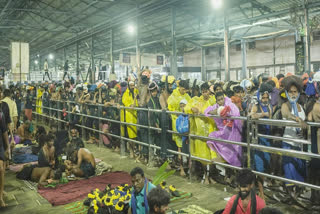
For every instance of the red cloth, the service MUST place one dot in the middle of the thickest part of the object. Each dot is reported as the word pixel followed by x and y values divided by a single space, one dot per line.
pixel 228 123
pixel 225 111
pixel 78 190
pixel 260 205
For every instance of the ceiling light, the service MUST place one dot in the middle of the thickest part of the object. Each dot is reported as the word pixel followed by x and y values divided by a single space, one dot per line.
pixel 50 56
pixel 36 62
pixel 217 4
pixel 131 29
pixel 38 55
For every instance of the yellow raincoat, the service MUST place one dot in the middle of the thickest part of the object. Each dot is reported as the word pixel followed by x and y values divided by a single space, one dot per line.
pixel 201 126
pixel 212 100
pixel 174 105
pixel 131 115
pixel 39 101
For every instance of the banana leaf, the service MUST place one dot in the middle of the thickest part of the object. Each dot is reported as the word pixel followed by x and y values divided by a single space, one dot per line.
pixel 161 169
pixel 163 177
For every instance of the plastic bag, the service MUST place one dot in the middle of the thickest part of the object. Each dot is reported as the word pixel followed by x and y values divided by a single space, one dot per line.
pixel 182 124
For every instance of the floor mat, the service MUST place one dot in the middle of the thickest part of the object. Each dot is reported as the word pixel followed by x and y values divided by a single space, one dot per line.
pixel 182 194
pixel 77 207
pixel 78 190
pixel 194 209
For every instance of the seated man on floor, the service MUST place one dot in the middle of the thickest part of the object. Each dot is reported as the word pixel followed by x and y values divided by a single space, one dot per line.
pixel 80 161
pixel 42 175
pixel 246 201
pixel 75 139
pixel 141 188
pixel 46 156
pixel 25 132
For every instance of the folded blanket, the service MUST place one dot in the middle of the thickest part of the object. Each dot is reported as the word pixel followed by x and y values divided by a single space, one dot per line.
pixel 25 158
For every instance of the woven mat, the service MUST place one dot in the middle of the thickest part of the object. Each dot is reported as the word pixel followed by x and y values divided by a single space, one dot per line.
pixel 194 209
pixel 183 195
pixel 78 207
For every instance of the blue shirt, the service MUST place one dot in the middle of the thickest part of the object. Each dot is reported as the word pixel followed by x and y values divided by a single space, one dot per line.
pixel 140 198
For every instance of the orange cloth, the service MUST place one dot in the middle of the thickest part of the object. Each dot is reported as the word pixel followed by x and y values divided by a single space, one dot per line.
pixel 237 102
pixel 305 78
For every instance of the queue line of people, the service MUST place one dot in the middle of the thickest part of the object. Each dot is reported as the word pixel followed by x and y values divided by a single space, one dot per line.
pixel 282 97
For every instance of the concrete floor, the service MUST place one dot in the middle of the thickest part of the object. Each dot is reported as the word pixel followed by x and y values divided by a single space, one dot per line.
pixel 22 199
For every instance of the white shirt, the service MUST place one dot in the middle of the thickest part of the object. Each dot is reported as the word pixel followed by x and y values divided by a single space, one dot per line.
pixel 46 66
pixel 291 132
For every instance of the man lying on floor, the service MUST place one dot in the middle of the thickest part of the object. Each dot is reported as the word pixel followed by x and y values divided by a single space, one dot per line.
pixel 42 175
pixel 80 161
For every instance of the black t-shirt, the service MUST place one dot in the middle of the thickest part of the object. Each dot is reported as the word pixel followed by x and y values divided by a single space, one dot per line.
pixel 6 112
pixel 3 129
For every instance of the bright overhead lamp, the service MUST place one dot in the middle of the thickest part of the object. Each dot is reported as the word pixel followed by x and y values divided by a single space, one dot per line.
pixel 36 62
pixel 50 56
pixel 131 29
pixel 217 4
pixel 38 55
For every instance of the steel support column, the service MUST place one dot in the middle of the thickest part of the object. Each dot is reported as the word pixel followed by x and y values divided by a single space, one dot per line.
pixel 111 51
pixel 307 63
pixel 138 58
pixel 92 61
pixel 77 62
pixel 55 63
pixel 274 57
pixel 244 59
pixel 226 47
pixel 64 55
pixel 174 67
pixel 203 64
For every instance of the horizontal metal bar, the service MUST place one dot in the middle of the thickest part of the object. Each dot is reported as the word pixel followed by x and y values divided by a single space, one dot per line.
pixel 286 139
pixel 290 123
pixel 218 140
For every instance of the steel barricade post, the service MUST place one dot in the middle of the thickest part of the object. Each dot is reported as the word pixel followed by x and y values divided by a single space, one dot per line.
pixel 50 111
pixel 83 123
pixel 69 111
pixel 122 143
pixel 249 133
pixel 150 159
pixel 190 161
pixel 59 114
pixel 164 130
pixel 100 124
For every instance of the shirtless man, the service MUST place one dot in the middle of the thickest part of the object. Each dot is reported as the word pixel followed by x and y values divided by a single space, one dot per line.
pixel 24 132
pixel 42 175
pixel 45 175
pixel 82 162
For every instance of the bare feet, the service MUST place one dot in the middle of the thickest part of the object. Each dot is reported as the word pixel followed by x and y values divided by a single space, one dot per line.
pixel 2 204
pixel 212 181
pixel 117 149
pixel 182 173
pixel 206 181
